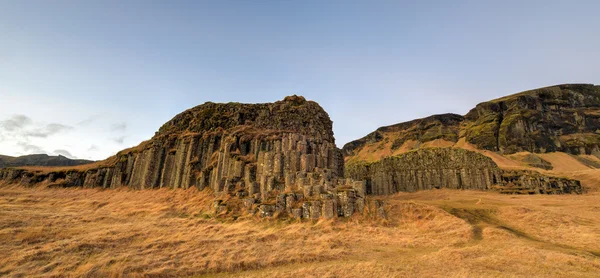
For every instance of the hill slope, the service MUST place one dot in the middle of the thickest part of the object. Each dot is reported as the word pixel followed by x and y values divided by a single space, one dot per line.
pixel 40 160
pixel 558 118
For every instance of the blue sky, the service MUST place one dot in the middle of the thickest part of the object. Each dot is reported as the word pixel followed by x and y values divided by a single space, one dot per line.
pixel 89 78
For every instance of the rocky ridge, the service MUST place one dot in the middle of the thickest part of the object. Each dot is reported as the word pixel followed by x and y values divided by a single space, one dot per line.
pixel 562 118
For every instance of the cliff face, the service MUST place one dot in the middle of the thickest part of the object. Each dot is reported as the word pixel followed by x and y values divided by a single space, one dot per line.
pixel 451 168
pixel 281 151
pixel 559 118
pixel 223 146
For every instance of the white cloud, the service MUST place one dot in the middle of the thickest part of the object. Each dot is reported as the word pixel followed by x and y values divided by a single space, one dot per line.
pixel 30 148
pixel 47 130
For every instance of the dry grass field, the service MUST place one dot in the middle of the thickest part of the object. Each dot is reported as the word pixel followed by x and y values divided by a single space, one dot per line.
pixel 164 233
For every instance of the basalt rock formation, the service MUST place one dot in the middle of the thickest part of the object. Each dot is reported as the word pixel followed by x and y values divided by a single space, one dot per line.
pixel 40 160
pixel 559 118
pixel 562 118
pixel 277 157
pixel 452 168
pixel 281 157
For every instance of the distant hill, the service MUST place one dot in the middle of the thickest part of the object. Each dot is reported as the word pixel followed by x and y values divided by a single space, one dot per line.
pixel 40 160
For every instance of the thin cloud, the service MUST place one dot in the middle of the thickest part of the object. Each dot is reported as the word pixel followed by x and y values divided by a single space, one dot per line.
pixel 119 140
pixel 30 148
pixel 64 153
pixel 16 122
pixel 48 130
pixel 88 120
pixel 92 148
pixel 119 127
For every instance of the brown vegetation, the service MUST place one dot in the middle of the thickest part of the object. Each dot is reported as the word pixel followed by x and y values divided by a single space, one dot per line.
pixel 443 233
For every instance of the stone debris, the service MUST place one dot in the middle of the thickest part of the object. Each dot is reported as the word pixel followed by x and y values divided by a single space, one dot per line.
pixel 219 207
pixel 379 207
pixel 267 210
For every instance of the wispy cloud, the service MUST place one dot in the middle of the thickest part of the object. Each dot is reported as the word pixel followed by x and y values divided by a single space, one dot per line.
pixel 15 123
pixel 119 127
pixel 87 121
pixel 47 130
pixel 119 140
pixel 22 130
pixel 92 148
pixel 30 148
pixel 64 153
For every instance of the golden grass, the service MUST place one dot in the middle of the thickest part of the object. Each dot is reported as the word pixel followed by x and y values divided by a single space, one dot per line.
pixel 563 162
pixel 383 148
pixel 48 169
pixel 590 179
pixel 438 143
pixel 439 233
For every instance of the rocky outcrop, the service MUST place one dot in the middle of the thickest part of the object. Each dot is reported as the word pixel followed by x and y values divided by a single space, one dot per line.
pixel 530 182
pixel 342 202
pixel 251 151
pixel 558 118
pixel 451 168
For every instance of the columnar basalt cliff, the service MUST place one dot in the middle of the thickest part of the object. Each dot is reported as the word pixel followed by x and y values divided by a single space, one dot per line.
pixel 277 157
pixel 454 169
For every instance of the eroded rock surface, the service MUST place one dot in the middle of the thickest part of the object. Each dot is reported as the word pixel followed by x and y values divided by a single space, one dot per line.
pixel 558 118
pixel 452 168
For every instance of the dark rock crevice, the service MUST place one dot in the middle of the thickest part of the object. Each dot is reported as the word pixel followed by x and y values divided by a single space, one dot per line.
pixel 499 120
